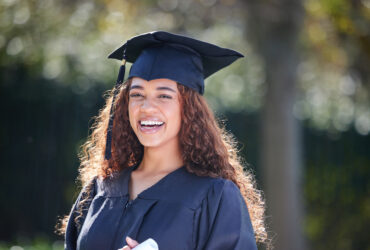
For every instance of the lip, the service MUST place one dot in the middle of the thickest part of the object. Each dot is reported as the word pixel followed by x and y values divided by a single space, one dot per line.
pixel 149 130
pixel 148 118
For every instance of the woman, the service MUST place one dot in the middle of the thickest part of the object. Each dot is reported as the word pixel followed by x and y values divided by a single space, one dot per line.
pixel 157 165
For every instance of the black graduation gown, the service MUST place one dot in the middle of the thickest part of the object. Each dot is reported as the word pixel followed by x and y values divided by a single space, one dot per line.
pixel 181 211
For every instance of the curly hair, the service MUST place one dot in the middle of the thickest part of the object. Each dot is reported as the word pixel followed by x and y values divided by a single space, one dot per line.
pixel 207 150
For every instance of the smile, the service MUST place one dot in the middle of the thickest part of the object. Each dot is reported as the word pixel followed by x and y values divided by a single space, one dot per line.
pixel 150 127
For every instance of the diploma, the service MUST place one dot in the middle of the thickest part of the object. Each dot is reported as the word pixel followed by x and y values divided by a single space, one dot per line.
pixel 148 244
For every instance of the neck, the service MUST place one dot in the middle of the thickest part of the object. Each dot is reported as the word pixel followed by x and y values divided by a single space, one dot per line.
pixel 163 159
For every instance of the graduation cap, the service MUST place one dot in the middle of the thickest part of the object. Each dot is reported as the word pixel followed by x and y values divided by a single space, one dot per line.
pixel 162 54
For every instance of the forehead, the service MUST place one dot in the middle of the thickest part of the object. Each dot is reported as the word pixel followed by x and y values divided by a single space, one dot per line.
pixel 142 83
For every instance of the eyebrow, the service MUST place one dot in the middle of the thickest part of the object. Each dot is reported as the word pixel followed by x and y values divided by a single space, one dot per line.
pixel 166 88
pixel 159 88
pixel 136 87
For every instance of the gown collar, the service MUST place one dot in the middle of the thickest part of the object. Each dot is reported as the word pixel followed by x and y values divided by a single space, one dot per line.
pixel 118 184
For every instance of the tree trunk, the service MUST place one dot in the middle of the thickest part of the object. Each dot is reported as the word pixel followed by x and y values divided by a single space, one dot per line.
pixel 281 160
pixel 273 28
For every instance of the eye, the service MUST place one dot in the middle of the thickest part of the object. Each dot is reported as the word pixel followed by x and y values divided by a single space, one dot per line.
pixel 136 95
pixel 165 96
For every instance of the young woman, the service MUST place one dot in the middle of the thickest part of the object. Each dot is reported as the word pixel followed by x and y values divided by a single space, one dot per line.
pixel 157 164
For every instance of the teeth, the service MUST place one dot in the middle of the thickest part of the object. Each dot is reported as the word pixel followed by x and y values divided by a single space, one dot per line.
pixel 146 123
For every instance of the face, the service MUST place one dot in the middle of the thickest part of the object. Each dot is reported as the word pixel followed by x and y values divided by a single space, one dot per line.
pixel 155 111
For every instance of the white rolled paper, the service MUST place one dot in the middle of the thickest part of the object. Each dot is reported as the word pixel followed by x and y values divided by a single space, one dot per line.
pixel 149 244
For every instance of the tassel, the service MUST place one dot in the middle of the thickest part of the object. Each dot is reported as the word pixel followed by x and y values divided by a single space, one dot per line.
pixel 108 144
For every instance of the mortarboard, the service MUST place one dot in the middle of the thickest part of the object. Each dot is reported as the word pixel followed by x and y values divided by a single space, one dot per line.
pixel 162 54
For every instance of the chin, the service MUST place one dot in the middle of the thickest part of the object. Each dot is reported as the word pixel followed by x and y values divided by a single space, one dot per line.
pixel 149 143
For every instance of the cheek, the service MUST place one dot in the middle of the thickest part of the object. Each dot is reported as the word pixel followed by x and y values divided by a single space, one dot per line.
pixel 131 114
pixel 176 118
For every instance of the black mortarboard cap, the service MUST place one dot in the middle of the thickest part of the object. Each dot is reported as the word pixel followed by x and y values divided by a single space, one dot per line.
pixel 182 59
pixel 162 54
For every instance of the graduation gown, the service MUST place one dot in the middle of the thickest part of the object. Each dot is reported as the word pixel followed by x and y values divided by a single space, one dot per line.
pixel 180 211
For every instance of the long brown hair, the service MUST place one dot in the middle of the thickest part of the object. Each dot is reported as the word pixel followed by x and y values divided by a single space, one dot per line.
pixel 207 150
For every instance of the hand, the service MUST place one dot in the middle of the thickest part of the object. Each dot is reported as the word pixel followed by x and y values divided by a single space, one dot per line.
pixel 130 244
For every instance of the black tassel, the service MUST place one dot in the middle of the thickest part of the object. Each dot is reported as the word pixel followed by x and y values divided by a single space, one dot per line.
pixel 108 144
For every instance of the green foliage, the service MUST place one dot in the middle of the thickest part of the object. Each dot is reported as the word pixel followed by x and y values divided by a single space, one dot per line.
pixel 334 76
pixel 53 72
pixel 68 44
pixel 38 245
pixel 337 198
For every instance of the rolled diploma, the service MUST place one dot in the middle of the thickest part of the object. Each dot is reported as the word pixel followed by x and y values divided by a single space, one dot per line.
pixel 149 244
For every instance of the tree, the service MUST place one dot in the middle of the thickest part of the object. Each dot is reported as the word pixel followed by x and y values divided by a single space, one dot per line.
pixel 274 29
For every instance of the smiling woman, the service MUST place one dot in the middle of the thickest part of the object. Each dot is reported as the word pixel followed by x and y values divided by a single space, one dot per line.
pixel 158 165
pixel 155 112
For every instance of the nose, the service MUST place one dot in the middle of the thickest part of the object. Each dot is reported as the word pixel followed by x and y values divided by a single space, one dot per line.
pixel 147 105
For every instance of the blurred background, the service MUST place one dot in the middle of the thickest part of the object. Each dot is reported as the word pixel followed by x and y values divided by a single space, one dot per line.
pixel 298 103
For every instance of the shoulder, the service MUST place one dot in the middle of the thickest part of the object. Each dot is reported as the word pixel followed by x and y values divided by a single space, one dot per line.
pixel 223 219
pixel 193 190
pixel 114 185
pixel 225 186
pixel 224 191
pixel 87 193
